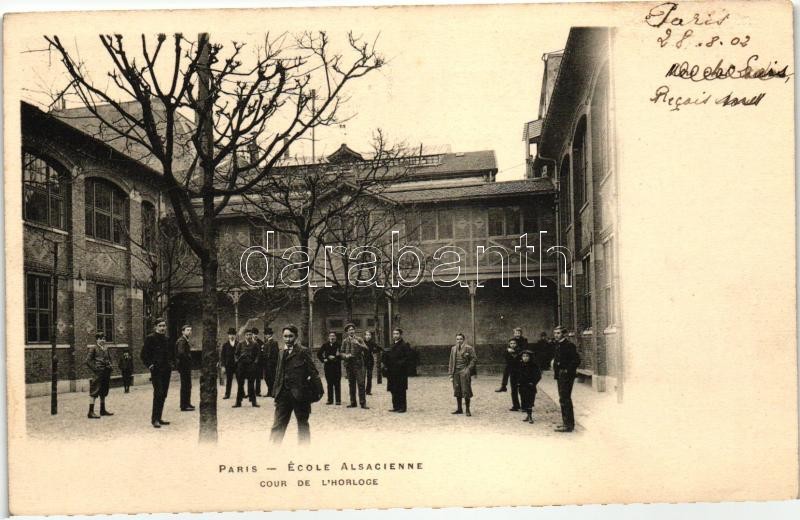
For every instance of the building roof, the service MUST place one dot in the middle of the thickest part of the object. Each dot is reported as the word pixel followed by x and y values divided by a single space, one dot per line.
pixel 552 64
pixel 532 130
pixel 81 118
pixel 474 191
pixel 36 121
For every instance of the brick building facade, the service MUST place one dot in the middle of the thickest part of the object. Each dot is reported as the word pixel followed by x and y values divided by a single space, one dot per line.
pixel 98 207
pixel 575 146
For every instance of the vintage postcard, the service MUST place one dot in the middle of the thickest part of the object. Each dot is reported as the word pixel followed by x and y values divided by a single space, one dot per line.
pixel 375 257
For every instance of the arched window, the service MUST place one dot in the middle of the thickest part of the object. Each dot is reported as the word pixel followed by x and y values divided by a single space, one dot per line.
pixel 580 163
pixel 148 226
pixel 563 191
pixel 106 211
pixel 600 145
pixel 45 192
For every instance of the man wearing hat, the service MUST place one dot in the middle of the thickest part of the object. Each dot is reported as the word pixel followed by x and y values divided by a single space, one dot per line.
pixel 227 360
pixel 258 364
pixel 354 354
pixel 183 349
pixel 462 361
pixel 99 362
pixel 270 354
pixel 159 358
pixel 330 356
pixel 246 357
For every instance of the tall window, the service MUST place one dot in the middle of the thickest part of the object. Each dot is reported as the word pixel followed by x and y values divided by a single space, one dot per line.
pixel 280 240
pixel 44 192
pixel 580 165
pixel 429 225
pixel 564 194
pixel 600 146
pixel 148 226
pixel 586 322
pixel 608 290
pixel 38 308
pixel 106 211
pixel 105 311
pixel 504 221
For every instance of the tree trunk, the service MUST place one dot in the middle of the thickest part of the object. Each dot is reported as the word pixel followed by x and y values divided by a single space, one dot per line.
pixel 305 302
pixel 210 357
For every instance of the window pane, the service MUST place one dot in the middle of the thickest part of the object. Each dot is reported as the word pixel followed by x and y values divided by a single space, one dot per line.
pixel 44 293
pixel 31 329
pixel 36 206
pixel 530 224
pixel 412 228
pixel 102 196
pixel 108 328
pixel 44 326
pixel 102 226
pixel 99 306
pixel 30 292
pixel 428 225
pixel 119 204
pixel 512 221
pixel 119 231
pixel 56 218
pixel 495 221
pixel 445 224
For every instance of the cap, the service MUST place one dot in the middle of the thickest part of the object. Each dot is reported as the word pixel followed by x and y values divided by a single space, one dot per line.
pixel 349 326
pixel 232 331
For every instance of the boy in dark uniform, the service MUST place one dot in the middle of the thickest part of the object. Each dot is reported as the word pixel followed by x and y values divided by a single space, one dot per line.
pixel 160 359
pixel 511 360
pixel 512 364
pixel 183 351
pixel 258 364
pixel 528 375
pixel 227 360
pixel 126 368
pixel 246 355
pixel 331 359
pixel 566 361
pixel 99 362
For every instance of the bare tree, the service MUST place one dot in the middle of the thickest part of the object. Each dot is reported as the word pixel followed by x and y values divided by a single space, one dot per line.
pixel 261 102
pixel 300 202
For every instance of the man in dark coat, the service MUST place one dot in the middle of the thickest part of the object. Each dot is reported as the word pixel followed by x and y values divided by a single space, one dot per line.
pixel 373 358
pixel 246 357
pixel 354 354
pixel 397 361
pixel 227 360
pixel 258 364
pixel 543 352
pixel 512 359
pixel 98 359
pixel 296 385
pixel 126 369
pixel 183 350
pixel 565 366
pixel 512 364
pixel 330 356
pixel 159 357
pixel 270 351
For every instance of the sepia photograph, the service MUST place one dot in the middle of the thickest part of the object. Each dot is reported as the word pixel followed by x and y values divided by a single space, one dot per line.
pixel 363 250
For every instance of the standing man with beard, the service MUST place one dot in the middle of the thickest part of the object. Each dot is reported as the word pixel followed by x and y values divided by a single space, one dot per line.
pixel 297 385
pixel 270 350
pixel 397 360
pixel 330 356
pixel 159 357
pixel 183 349
pixel 565 366
pixel 227 359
